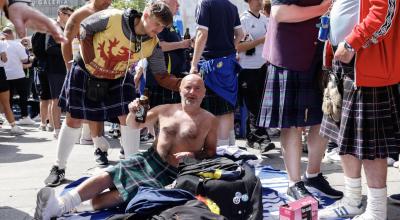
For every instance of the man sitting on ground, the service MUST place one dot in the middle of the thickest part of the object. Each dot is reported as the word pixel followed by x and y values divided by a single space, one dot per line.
pixel 186 130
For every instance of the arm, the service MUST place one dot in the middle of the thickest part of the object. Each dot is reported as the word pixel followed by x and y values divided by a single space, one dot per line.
pixel 3 57
pixel 151 117
pixel 168 46
pixel 294 13
pixel 247 45
pixel 239 35
pixel 200 43
pixel 210 144
pixel 70 32
pixel 375 26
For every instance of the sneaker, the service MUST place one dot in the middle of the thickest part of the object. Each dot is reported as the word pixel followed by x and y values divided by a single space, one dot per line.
pixel 116 133
pixel 55 177
pixel 17 130
pixel 266 146
pixel 121 154
pixel 298 191
pixel 85 141
pixel 37 118
pixel 340 209
pixel 42 127
pixel 396 164
pixel 395 198
pixel 365 216
pixel 147 138
pixel 56 132
pixel 50 128
pixel 47 205
pixel 320 185
pixel 25 121
pixel 332 156
pixel 101 157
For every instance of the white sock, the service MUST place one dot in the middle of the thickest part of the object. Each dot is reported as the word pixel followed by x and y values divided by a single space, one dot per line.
pixel 309 175
pixel 85 134
pixel 65 143
pixel 85 206
pixel 222 142
pixel 352 191
pixel 130 140
pixel 70 200
pixel 101 142
pixel 232 138
pixel 376 204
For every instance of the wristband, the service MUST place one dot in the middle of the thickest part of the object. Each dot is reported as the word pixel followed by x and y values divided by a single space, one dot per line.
pixel 348 47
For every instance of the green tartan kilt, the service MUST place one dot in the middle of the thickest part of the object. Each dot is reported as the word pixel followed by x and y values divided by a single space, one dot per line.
pixel 142 169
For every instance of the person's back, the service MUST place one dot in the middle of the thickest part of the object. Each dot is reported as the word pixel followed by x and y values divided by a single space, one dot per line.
pixel 180 131
pixel 15 54
pixel 222 18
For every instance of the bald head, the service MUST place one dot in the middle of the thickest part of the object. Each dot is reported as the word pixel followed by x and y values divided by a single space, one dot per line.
pixel 192 90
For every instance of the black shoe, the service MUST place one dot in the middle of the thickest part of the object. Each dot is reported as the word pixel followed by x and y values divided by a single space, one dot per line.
pixel 55 177
pixel 147 138
pixel 101 157
pixel 121 153
pixel 321 185
pixel 298 191
pixel 266 146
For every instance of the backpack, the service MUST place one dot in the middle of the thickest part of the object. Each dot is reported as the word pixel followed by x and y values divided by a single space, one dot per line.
pixel 237 192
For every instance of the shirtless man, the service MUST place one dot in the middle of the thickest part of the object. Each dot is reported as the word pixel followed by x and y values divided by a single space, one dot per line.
pixel 186 130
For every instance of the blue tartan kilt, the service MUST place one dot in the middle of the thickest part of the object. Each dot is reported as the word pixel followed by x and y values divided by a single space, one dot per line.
pixel 73 96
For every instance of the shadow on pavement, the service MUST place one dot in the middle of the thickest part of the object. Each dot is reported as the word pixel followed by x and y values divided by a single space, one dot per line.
pixel 7 212
pixel 10 154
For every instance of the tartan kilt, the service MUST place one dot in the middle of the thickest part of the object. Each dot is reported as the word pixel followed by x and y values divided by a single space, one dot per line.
pixel 73 97
pixel 160 96
pixel 215 104
pixel 329 129
pixel 291 98
pixel 142 169
pixel 370 122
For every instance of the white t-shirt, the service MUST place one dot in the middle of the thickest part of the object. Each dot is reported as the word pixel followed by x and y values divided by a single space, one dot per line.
pixel 15 54
pixel 253 28
pixel 344 16
pixel 3 48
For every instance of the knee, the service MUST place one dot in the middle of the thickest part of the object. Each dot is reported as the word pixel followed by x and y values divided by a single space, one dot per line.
pixel 73 122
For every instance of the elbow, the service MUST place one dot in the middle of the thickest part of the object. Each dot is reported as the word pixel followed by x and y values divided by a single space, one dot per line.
pixel 278 14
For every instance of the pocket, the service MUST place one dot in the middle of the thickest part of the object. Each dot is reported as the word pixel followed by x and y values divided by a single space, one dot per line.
pixel 97 89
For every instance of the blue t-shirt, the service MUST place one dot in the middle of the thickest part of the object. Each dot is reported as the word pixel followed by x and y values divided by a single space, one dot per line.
pixel 220 18
pixel 174 59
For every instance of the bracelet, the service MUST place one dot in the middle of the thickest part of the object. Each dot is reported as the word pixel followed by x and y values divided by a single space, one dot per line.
pixel 348 47
pixel 10 2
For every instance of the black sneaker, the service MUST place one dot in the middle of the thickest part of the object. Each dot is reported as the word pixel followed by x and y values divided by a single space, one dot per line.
pixel 266 146
pixel 298 191
pixel 55 177
pixel 121 154
pixel 101 157
pixel 320 185
pixel 147 138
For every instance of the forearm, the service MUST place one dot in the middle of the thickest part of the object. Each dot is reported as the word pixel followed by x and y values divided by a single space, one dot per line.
pixel 168 46
pixel 131 121
pixel 295 13
pixel 66 50
pixel 168 81
pixel 247 45
pixel 199 46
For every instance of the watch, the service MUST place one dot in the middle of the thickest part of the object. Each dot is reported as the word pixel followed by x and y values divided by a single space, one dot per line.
pixel 10 2
pixel 348 47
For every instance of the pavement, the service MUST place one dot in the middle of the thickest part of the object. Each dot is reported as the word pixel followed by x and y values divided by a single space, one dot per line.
pixel 25 162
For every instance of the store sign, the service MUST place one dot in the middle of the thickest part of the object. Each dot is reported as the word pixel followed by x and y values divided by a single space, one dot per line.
pixel 39 3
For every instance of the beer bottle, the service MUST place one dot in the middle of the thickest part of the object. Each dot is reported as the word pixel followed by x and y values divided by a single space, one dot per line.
pixel 187 34
pixel 141 114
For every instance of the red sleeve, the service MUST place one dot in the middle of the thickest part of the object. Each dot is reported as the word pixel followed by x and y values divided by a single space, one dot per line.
pixel 375 22
pixel 328 55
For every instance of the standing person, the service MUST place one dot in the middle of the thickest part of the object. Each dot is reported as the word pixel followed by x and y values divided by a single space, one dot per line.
pixel 5 92
pixel 291 99
pixel 218 33
pixel 55 68
pixel 99 86
pixel 173 47
pixel 254 70
pixel 16 56
pixel 370 121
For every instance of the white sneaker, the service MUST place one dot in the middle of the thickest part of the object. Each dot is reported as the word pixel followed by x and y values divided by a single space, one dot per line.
pixel 84 141
pixel 396 164
pixel 25 121
pixel 47 205
pixel 366 216
pixel 333 155
pixel 16 130
pixel 37 118
pixel 56 133
pixel 340 209
pixel 49 128
pixel 42 127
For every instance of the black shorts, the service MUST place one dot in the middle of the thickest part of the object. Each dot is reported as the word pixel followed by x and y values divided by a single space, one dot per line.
pixel 44 92
pixel 3 81
pixel 56 82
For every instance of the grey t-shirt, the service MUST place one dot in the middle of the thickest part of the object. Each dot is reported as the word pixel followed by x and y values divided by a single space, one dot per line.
pixel 344 16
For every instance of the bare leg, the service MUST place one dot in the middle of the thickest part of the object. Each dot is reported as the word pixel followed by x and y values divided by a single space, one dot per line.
pixel 93 187
pixel 291 149
pixel 56 113
pixel 376 172
pixel 96 128
pixel 5 102
pixel 225 125
pixel 351 166
pixel 50 114
pixel 316 149
pixel 44 113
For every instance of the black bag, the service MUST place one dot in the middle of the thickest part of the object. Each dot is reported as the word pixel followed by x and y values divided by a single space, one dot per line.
pixel 237 199
pixel 97 89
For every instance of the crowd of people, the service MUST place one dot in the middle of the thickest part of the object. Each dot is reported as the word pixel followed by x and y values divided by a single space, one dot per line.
pixel 94 62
